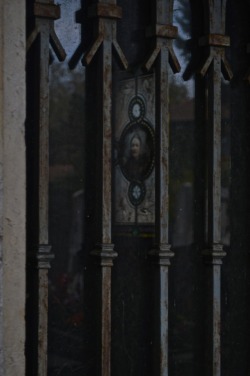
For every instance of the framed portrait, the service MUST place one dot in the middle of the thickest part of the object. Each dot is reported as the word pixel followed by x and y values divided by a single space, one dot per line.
pixel 134 152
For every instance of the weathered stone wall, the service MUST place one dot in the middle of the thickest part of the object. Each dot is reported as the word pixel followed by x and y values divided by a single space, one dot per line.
pixel 1 189
pixel 12 187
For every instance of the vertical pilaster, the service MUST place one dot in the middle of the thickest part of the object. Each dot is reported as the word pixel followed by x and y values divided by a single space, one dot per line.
pixel 12 188
pixel 163 32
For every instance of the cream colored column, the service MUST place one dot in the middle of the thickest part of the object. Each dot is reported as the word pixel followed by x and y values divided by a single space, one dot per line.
pixel 12 187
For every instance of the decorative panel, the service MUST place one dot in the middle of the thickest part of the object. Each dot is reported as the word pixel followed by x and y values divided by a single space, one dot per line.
pixel 134 152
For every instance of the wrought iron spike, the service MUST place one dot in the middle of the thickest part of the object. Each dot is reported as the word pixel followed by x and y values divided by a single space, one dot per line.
pixel 174 62
pixel 105 16
pixel 120 54
pixel 225 66
pixel 151 61
pixel 104 12
pixel 164 33
pixel 226 69
pixel 215 37
pixel 206 65
pixel 45 13
pixel 215 63
pixel 88 56
pixel 50 12
pixel 57 46
pixel 32 37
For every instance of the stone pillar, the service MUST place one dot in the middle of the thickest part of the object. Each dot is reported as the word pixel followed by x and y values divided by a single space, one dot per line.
pixel 12 187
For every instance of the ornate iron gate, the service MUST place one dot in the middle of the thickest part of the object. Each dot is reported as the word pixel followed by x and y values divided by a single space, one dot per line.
pixel 129 166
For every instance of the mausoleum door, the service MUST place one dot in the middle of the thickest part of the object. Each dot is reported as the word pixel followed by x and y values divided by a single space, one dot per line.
pixel 137 149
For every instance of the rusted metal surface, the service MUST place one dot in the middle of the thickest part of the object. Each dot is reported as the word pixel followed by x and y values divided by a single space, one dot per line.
pixel 44 27
pixel 41 26
pixel 105 10
pixel 44 257
pixel 106 15
pixel 106 255
pixel 106 32
pixel 164 32
pixel 215 12
pixel 47 11
pixel 215 40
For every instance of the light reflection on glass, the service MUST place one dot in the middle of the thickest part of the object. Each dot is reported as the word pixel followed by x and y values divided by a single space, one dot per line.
pixel 182 134
pixel 183 296
pixel 66 339
pixel 68 31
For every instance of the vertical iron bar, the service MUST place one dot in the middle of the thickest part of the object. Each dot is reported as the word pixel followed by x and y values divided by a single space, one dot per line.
pixel 162 201
pixel 163 32
pixel 162 163
pixel 105 13
pixel 106 246
pixel 107 133
pixel 45 11
pixel 106 318
pixel 214 253
pixel 215 41
pixel 44 248
pixel 43 199
pixel 106 205
pixel 214 151
pixel 214 199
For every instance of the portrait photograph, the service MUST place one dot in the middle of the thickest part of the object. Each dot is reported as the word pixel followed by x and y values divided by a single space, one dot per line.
pixel 136 151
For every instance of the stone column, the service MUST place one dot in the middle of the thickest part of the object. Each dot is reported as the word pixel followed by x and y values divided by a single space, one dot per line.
pixel 12 187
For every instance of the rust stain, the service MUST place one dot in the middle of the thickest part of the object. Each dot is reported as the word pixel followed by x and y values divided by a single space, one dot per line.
pixel 166 31
pixel 105 11
pixel 47 10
